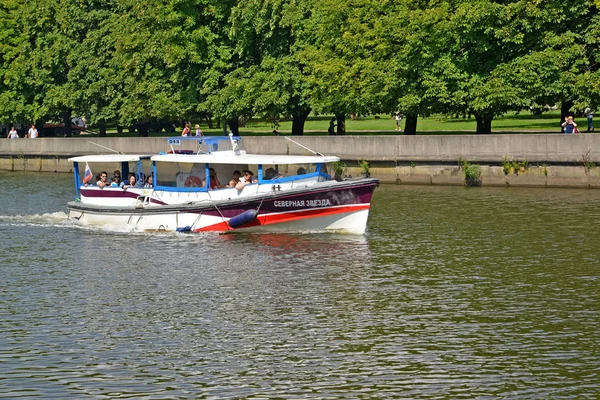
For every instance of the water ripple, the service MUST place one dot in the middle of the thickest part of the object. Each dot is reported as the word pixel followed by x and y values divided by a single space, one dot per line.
pixel 454 293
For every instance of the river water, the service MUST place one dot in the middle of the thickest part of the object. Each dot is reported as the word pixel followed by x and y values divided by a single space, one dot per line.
pixel 453 293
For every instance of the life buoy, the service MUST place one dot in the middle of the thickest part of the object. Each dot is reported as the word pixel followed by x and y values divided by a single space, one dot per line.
pixel 193 181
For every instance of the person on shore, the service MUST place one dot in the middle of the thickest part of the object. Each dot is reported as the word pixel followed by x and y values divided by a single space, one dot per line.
pixel 590 119
pixel 186 130
pixel 331 129
pixel 569 125
pixel 32 133
pixel 398 118
pixel 102 182
pixel 198 131
pixel 12 134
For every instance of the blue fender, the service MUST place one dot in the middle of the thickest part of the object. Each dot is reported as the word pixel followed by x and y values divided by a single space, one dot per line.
pixel 243 218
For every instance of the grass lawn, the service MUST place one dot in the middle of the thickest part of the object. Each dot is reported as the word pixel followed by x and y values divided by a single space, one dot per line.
pixel 512 122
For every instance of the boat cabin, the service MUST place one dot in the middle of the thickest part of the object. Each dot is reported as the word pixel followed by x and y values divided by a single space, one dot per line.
pixel 203 164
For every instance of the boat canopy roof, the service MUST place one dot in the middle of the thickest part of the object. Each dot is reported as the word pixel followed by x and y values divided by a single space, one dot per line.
pixel 107 158
pixel 229 157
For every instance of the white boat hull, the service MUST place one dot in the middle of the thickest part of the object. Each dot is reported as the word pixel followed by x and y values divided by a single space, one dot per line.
pixel 342 207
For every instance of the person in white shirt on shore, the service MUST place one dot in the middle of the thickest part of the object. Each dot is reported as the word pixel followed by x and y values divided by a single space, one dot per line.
pixel 32 133
pixel 12 134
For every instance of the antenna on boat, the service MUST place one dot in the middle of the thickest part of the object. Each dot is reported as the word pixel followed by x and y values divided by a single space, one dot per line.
pixel 104 147
pixel 234 143
pixel 304 147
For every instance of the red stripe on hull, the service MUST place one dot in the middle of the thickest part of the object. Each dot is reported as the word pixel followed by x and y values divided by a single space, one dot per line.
pixel 270 219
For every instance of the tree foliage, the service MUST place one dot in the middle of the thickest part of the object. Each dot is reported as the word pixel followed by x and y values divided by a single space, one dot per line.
pixel 134 62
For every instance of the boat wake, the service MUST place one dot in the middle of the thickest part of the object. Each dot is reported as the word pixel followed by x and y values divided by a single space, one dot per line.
pixel 56 219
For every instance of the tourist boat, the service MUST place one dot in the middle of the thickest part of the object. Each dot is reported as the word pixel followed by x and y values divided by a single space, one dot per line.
pixel 291 193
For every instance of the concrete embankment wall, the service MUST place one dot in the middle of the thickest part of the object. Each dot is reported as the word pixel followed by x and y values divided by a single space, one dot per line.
pixel 554 159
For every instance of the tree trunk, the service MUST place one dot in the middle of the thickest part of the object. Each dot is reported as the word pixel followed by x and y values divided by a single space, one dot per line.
pixel 565 111
pixel 209 122
pixel 142 129
pixel 68 130
pixel 234 126
pixel 102 128
pixel 410 125
pixel 341 124
pixel 39 125
pixel 484 123
pixel 119 129
pixel 298 122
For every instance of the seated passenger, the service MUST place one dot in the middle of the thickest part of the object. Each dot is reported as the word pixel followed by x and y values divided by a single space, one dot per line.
pixel 126 181
pixel 149 182
pixel 130 183
pixel 301 171
pixel 116 181
pixel 247 180
pixel 102 182
pixel 270 173
pixel 213 181
pixel 236 178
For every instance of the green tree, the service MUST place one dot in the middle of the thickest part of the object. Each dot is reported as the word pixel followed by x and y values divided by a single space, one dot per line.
pixel 262 77
pixel 500 56
pixel 160 51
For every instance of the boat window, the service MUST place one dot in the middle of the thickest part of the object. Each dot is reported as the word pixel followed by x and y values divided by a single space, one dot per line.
pixel 185 176
pixel 292 171
pixel 179 175
pixel 112 169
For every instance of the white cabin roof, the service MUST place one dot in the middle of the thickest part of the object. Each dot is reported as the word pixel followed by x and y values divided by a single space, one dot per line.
pixel 106 158
pixel 228 157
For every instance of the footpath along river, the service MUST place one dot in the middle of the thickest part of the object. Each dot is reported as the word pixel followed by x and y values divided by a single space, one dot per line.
pixel 454 293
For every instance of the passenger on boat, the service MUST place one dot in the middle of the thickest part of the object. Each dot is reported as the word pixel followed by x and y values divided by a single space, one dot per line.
pixel 301 171
pixel 270 173
pixel 236 178
pixel 116 181
pixel 247 180
pixel 213 181
pixel 102 182
pixel 149 182
pixel 131 182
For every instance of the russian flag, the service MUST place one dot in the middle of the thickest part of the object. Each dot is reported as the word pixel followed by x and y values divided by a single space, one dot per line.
pixel 87 175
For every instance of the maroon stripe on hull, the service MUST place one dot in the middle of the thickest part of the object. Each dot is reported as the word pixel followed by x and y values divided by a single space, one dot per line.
pixel 105 194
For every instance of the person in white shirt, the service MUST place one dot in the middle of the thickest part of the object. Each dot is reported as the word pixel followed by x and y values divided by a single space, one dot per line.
pixel 103 182
pixel 398 118
pixel 12 134
pixel 32 133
